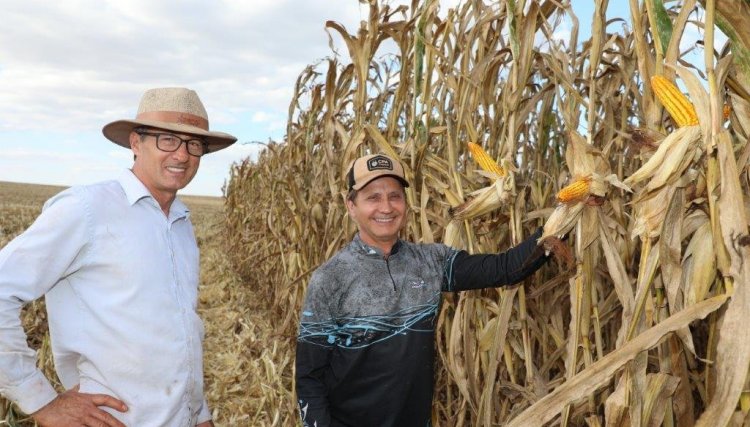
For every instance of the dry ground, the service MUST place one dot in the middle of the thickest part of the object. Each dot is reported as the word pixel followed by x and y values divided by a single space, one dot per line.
pixel 236 358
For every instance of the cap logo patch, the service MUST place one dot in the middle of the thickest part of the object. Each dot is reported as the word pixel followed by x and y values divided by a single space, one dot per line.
pixel 379 163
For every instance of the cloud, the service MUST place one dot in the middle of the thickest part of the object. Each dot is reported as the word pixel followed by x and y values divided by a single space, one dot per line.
pixel 35 155
pixel 70 66
pixel 261 116
pixel 91 59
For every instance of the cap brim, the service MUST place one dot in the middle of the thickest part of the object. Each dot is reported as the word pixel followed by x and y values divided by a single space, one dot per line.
pixel 366 183
pixel 119 133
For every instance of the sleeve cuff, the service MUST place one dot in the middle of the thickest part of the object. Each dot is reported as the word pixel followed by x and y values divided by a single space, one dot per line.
pixel 32 394
pixel 204 414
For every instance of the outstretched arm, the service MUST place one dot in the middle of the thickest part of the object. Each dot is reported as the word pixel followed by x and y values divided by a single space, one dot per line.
pixel 495 270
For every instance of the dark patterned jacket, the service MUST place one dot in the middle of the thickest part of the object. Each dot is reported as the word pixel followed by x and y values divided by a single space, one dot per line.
pixel 365 350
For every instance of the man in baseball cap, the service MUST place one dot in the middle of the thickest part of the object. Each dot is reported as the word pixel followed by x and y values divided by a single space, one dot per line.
pixel 118 264
pixel 365 350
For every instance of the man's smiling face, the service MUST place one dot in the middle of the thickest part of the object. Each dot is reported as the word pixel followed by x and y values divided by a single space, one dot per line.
pixel 379 209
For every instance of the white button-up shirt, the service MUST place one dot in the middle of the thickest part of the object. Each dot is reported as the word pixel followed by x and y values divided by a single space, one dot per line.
pixel 121 283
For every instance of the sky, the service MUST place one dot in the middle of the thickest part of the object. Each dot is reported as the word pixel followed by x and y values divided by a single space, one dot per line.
pixel 68 67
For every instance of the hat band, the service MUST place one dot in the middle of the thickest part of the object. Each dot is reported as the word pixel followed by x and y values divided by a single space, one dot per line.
pixel 175 117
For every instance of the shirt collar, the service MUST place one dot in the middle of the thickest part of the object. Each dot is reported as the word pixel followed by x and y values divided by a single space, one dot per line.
pixel 371 250
pixel 135 191
pixel 133 187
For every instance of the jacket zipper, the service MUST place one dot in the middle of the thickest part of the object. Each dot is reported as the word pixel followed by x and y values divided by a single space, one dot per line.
pixel 388 266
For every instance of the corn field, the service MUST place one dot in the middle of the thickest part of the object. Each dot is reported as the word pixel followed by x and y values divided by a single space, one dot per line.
pixel 643 324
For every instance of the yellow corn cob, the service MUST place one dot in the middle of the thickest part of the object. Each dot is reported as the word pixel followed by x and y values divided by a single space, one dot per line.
pixel 676 103
pixel 484 160
pixel 726 111
pixel 575 191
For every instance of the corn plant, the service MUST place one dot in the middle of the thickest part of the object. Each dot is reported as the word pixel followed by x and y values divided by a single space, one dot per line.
pixel 588 139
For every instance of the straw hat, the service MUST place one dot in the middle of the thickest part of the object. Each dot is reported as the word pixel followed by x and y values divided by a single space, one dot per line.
pixel 171 108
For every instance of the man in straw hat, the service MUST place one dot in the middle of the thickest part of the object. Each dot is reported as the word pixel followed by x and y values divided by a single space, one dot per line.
pixel 365 350
pixel 118 264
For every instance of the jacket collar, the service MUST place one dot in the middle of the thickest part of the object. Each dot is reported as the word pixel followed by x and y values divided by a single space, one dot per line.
pixel 366 249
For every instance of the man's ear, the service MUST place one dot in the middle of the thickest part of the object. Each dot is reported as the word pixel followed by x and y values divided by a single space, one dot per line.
pixel 349 206
pixel 135 140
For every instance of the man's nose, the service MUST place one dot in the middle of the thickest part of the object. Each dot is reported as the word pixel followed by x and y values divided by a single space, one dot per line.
pixel 182 151
pixel 386 205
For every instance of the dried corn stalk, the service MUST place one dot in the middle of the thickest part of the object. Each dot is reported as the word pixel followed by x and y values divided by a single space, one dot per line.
pixel 558 345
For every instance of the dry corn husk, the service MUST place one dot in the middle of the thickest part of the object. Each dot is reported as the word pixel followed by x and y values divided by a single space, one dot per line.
pixel 489 198
pixel 667 162
pixel 585 184
pixel 733 348
pixel 673 165
pixel 699 265
pixel 562 220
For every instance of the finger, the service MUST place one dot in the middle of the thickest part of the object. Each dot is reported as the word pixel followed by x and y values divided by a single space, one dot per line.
pixel 108 401
pixel 103 419
pixel 93 422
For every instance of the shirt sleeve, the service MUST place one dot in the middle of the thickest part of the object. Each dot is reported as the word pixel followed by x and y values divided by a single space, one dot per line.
pixel 204 414
pixel 495 270
pixel 314 345
pixel 30 265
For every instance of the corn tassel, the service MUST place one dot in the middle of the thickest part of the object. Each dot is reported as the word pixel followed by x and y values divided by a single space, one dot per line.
pixel 676 103
pixel 485 161
pixel 576 191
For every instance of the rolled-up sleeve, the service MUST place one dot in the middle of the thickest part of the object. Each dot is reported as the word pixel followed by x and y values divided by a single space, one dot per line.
pixel 30 265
